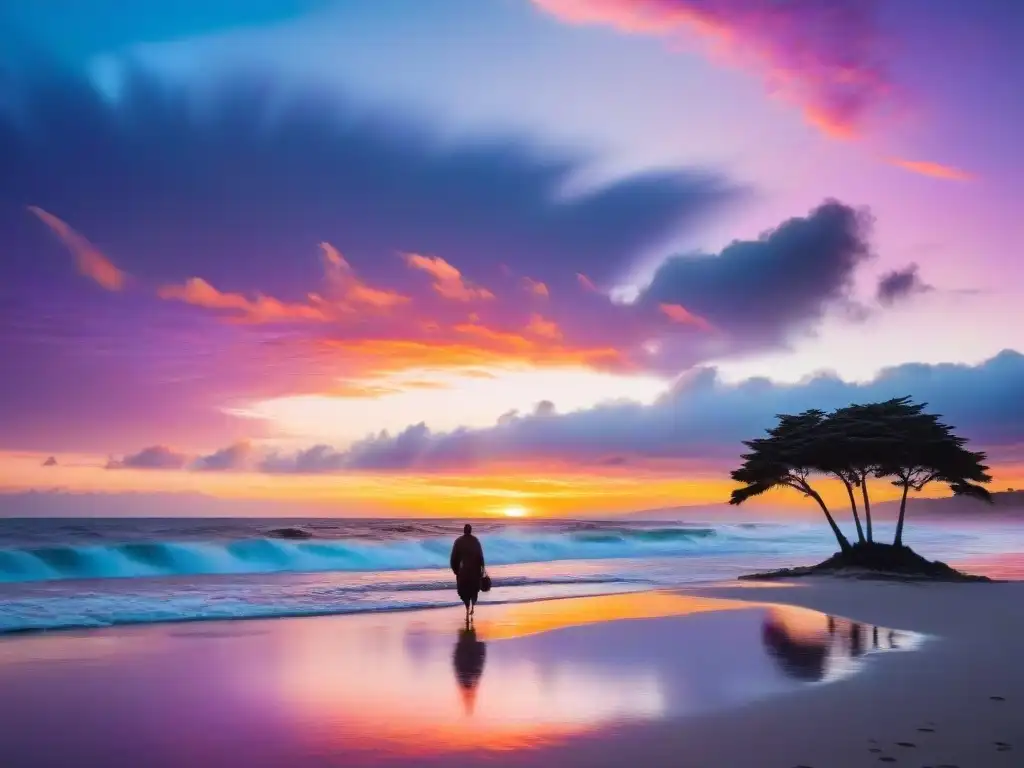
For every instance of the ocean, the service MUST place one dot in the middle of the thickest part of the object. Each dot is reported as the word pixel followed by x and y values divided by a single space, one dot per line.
pixel 78 573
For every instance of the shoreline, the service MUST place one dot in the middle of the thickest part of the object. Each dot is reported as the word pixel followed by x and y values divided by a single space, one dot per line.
pixel 779 578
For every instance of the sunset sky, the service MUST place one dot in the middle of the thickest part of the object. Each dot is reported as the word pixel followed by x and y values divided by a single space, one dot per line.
pixel 485 256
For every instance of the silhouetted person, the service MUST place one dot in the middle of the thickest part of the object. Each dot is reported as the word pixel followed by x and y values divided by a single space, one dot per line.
pixel 468 565
pixel 468 658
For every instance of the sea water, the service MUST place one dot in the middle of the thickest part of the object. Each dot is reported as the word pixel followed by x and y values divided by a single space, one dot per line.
pixel 65 573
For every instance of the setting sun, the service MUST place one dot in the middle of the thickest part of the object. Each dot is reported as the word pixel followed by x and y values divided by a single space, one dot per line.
pixel 515 511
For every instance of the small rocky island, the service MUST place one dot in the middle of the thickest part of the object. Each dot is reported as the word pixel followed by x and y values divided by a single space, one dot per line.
pixel 874 561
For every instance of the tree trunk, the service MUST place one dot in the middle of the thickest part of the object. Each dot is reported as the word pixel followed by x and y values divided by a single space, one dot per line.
pixel 867 505
pixel 853 506
pixel 898 541
pixel 844 544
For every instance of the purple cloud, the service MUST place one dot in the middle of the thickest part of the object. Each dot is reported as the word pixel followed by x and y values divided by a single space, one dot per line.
pixel 234 457
pixel 758 291
pixel 154 457
pixel 900 284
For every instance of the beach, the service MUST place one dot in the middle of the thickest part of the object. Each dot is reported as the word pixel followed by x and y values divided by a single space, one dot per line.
pixel 822 673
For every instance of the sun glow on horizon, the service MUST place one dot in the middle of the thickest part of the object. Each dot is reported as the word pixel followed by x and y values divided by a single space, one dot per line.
pixel 515 511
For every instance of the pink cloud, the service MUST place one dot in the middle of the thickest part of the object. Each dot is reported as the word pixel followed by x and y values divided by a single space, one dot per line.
pixel 547 329
pixel 677 313
pixel 586 282
pixel 90 262
pixel 350 289
pixel 536 287
pixel 820 54
pixel 448 281
pixel 934 170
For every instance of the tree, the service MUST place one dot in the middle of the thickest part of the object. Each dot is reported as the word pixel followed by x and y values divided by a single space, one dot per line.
pixel 786 458
pixel 924 450
pixel 864 437
pixel 832 456
pixel 895 438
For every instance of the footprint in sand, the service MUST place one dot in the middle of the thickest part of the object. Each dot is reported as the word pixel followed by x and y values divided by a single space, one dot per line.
pixel 887 759
pixel 997 698
pixel 926 730
pixel 1002 746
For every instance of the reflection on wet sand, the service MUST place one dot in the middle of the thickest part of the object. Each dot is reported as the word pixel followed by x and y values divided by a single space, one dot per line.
pixel 812 647
pixel 363 688
pixel 469 658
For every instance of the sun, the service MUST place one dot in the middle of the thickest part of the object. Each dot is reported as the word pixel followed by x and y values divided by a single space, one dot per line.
pixel 515 511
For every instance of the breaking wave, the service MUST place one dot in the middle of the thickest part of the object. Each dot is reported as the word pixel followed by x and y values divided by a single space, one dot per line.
pixel 273 554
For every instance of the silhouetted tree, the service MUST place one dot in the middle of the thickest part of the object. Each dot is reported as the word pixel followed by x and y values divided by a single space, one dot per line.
pixel 832 456
pixel 923 450
pixel 785 459
pixel 894 438
pixel 863 437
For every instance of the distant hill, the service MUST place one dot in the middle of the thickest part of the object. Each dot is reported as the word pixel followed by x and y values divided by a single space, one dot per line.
pixel 697 512
pixel 1005 503
pixel 1010 502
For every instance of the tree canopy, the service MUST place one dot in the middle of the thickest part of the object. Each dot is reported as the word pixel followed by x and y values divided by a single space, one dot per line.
pixel 895 439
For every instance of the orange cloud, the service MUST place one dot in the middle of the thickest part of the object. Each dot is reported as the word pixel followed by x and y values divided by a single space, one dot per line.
pixel 371 389
pixel 547 329
pixel 677 313
pixel 261 309
pixel 346 293
pixel 934 170
pixel 448 281
pixel 357 390
pixel 479 347
pixel 90 262
pixel 536 287
pixel 477 374
pixel 347 288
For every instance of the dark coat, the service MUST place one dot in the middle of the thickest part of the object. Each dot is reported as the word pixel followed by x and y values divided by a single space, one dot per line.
pixel 468 565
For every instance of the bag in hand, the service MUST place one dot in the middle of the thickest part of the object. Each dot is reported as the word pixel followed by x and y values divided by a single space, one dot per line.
pixel 485 583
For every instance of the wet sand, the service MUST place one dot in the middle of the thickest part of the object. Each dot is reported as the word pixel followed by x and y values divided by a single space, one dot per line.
pixel 721 676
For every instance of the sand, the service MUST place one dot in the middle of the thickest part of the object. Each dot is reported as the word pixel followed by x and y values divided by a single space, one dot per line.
pixel 949 686
pixel 674 679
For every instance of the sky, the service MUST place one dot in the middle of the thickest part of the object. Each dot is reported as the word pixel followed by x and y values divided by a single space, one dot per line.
pixel 553 257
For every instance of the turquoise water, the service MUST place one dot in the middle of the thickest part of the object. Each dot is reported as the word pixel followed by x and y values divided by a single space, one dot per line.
pixel 83 573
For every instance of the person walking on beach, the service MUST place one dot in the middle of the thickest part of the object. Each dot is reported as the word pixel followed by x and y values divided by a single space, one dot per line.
pixel 468 565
